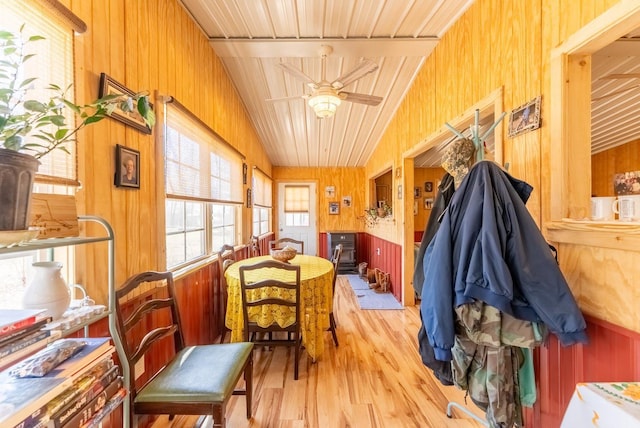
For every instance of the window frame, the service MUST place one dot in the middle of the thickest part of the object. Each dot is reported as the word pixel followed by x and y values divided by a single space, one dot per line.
pixel 210 147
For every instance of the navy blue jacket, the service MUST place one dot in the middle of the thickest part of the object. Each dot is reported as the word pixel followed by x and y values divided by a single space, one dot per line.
pixel 489 248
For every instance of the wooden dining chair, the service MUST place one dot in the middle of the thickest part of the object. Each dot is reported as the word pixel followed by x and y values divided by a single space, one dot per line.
pixel 196 380
pixel 335 260
pixel 280 243
pixel 226 257
pixel 254 247
pixel 282 297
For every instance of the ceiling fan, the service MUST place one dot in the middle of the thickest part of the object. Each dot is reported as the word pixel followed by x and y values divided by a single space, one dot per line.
pixel 614 76
pixel 325 96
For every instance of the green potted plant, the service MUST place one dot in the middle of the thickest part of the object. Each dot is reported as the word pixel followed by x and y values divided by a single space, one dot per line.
pixel 30 129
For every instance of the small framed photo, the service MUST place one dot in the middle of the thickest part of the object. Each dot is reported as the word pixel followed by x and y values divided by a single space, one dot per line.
pixel 334 208
pixel 346 201
pixel 108 86
pixel 127 167
pixel 415 207
pixel 525 118
pixel 330 191
pixel 417 192
pixel 428 203
pixel 399 191
pixel 428 186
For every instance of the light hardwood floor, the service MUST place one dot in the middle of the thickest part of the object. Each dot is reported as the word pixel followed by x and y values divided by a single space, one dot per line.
pixel 373 379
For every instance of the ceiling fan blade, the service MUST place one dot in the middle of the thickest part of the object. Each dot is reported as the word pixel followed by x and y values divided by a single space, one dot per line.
pixel 622 76
pixel 295 97
pixel 371 100
pixel 621 91
pixel 296 72
pixel 361 70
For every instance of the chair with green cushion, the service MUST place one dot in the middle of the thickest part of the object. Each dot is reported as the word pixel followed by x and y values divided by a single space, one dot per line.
pixel 196 380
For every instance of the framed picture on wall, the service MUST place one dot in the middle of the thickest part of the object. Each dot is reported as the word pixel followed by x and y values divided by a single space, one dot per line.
pixel 525 118
pixel 334 208
pixel 428 186
pixel 108 86
pixel 417 192
pixel 127 167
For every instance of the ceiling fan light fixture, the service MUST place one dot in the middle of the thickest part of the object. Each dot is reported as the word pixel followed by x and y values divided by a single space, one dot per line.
pixel 324 105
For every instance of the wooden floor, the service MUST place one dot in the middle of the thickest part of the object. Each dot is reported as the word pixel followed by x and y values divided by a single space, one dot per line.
pixel 374 378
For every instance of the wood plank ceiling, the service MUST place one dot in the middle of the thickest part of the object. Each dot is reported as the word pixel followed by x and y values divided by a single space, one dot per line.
pixel 253 36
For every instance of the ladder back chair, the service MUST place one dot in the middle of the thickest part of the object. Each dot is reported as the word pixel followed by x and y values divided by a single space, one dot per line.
pixel 282 242
pixel 226 256
pixel 196 380
pixel 335 260
pixel 254 247
pixel 269 290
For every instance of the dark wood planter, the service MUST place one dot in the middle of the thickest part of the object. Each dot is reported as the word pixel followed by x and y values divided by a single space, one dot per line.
pixel 17 171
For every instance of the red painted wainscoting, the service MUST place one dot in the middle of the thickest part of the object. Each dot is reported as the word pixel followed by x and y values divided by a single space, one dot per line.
pixel 389 259
pixel 417 236
pixel 612 355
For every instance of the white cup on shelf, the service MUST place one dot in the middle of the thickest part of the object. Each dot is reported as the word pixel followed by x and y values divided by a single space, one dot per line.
pixel 602 208
pixel 627 207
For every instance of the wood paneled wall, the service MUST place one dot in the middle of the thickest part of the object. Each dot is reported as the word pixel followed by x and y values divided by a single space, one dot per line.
pixel 347 182
pixel 421 176
pixel 147 46
pixel 613 161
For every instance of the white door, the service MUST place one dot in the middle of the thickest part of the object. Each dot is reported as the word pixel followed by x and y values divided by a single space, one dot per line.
pixel 299 221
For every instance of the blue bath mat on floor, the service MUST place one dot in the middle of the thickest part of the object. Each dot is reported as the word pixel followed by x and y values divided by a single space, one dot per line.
pixel 369 299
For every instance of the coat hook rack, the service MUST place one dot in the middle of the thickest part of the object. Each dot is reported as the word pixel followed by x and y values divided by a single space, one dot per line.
pixel 475 137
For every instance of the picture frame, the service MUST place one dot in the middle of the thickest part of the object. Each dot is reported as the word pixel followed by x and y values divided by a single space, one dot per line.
pixel 525 117
pixel 417 192
pixel 127 167
pixel 249 201
pixel 330 191
pixel 428 203
pixel 428 186
pixel 399 191
pixel 334 208
pixel 109 86
pixel 244 173
pixel 346 201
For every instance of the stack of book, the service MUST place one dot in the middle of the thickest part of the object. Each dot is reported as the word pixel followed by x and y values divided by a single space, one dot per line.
pixel 77 393
pixel 21 334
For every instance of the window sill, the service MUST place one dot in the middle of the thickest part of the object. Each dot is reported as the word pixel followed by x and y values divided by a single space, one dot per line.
pixel 615 235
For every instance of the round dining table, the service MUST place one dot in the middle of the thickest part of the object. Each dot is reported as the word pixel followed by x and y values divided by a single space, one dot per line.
pixel 316 295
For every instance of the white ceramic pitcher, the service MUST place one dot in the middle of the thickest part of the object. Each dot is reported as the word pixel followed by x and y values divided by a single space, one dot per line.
pixel 47 290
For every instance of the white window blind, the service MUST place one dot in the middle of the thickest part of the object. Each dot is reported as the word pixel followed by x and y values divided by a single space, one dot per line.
pixel 296 199
pixel 52 64
pixel 200 165
pixel 262 195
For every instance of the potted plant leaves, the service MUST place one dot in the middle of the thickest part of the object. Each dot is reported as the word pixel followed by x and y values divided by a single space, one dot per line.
pixel 30 128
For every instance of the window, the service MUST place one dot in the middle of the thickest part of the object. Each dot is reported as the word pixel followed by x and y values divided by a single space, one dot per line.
pixel 203 206
pixel 52 63
pixel 296 205
pixel 262 203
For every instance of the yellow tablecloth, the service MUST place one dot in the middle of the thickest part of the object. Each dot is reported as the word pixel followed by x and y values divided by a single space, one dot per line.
pixel 316 294
pixel 604 405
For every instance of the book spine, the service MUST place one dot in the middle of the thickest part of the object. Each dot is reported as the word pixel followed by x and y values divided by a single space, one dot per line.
pixel 20 333
pixel 10 359
pixel 111 405
pixel 94 406
pixel 40 417
pixel 81 401
pixel 23 343
pixel 7 329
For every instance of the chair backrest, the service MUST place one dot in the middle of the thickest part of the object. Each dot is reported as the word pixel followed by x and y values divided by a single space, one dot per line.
pixel 254 247
pixel 227 252
pixel 280 283
pixel 132 321
pixel 335 260
pixel 282 242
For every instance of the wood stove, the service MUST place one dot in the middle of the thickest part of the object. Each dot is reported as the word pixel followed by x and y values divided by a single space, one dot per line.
pixel 348 262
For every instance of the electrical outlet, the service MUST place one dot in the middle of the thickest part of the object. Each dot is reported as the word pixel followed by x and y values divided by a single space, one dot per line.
pixel 378 251
pixel 139 368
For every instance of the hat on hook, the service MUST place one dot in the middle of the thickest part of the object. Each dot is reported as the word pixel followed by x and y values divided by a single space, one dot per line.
pixel 457 159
